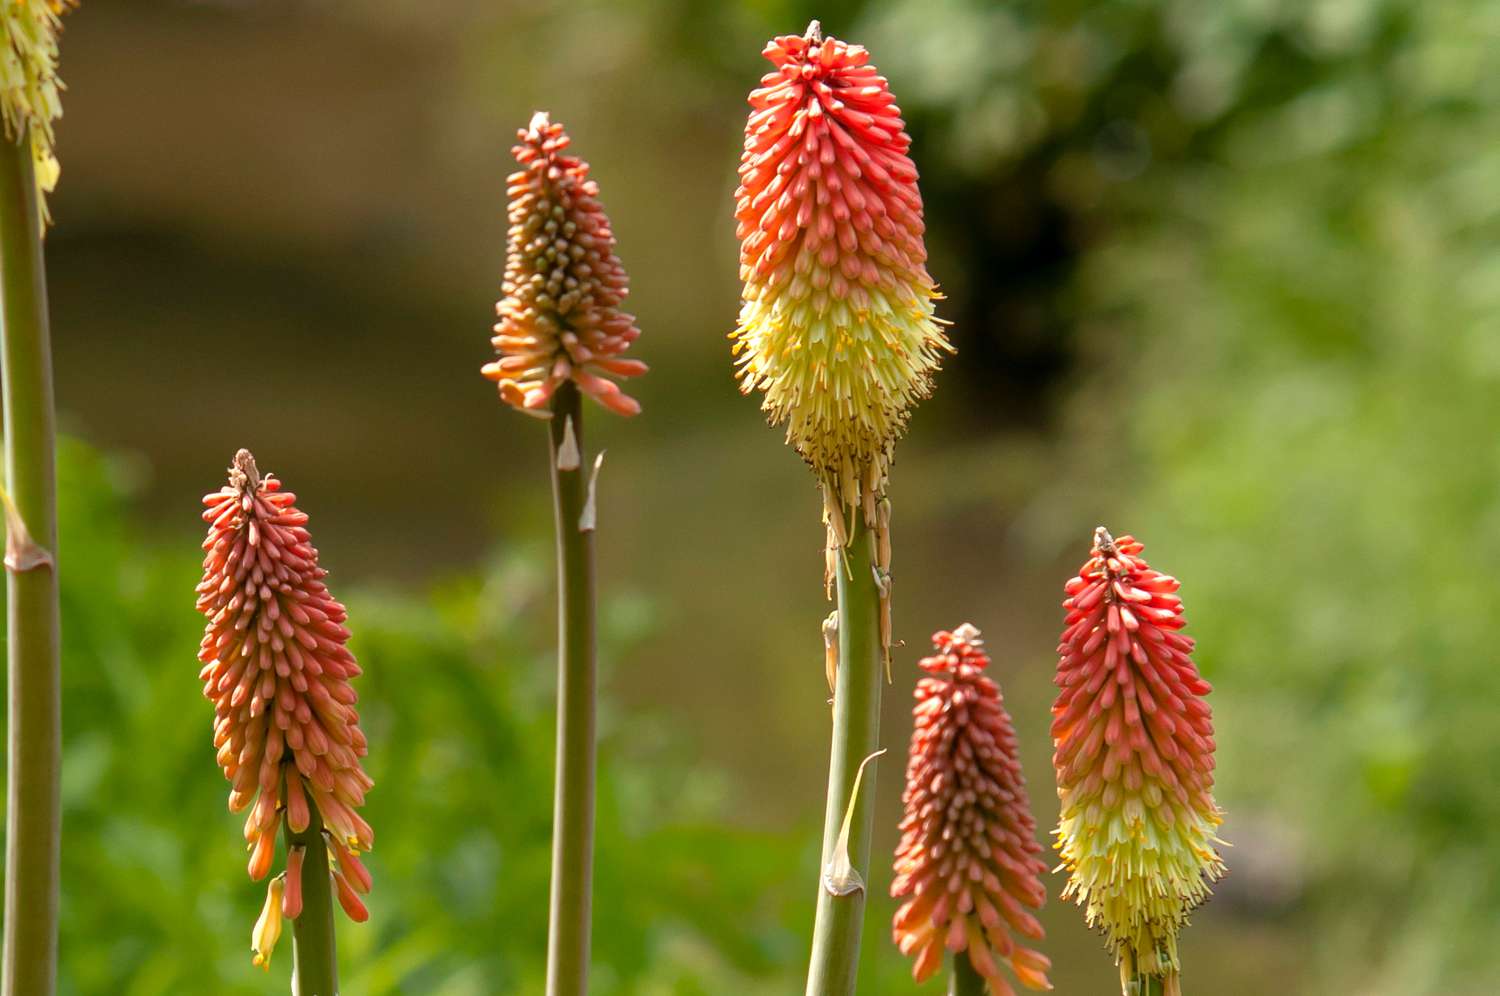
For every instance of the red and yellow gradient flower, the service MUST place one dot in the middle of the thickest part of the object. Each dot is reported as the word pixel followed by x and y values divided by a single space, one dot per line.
pixel 560 318
pixel 836 325
pixel 30 91
pixel 277 670
pixel 968 859
pixel 1134 756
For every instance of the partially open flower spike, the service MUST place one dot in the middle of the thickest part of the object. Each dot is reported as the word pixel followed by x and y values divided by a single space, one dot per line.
pixel 276 668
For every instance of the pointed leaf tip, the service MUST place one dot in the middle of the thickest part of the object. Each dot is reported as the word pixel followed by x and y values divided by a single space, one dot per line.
pixel 589 516
pixel 568 457
pixel 840 877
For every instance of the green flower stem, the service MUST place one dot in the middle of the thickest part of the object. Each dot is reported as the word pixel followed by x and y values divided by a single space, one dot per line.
pixel 34 749
pixel 573 804
pixel 856 732
pixel 315 959
pixel 965 981
pixel 1133 983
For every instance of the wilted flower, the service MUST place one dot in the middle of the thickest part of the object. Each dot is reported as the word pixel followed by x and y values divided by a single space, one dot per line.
pixel 837 324
pixel 968 858
pixel 267 929
pixel 560 318
pixel 277 670
pixel 1134 758
pixel 29 87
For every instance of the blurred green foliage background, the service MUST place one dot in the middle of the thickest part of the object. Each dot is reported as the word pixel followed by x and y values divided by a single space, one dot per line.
pixel 1221 275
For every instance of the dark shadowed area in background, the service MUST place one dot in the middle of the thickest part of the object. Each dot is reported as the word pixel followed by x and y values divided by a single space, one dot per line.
pixel 1221 275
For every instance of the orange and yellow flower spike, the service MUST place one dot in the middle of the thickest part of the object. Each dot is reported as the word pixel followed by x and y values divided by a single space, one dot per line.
pixel 1134 743
pixel 836 326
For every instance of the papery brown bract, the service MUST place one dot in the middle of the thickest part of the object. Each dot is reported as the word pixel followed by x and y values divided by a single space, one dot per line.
pixel 560 317
pixel 968 860
pixel 277 670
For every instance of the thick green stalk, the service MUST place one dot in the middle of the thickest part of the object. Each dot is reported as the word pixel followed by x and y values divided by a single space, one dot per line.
pixel 315 959
pixel 34 750
pixel 573 803
pixel 1147 985
pixel 965 981
pixel 856 732
pixel 1134 983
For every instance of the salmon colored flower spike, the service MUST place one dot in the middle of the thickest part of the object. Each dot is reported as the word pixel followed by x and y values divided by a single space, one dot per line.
pixel 968 860
pixel 560 318
pixel 1134 756
pixel 277 670
pixel 30 91
pixel 836 325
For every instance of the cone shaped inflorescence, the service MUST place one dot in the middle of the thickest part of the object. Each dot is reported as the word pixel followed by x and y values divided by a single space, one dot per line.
pixel 968 860
pixel 1134 757
pixel 836 325
pixel 30 91
pixel 277 670
pixel 560 318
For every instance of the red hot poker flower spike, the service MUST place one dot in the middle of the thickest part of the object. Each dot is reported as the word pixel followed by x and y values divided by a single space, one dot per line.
pixel 560 318
pixel 1134 755
pixel 968 858
pixel 836 324
pixel 277 670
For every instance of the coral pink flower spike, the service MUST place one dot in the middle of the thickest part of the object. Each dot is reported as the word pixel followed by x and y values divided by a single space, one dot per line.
pixel 277 670
pixel 560 316
pixel 968 859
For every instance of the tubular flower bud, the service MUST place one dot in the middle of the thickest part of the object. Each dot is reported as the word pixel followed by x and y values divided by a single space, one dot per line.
pixel 353 906
pixel 291 900
pixel 277 670
pixel 836 324
pixel 1134 743
pixel 968 859
pixel 560 318
pixel 30 92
